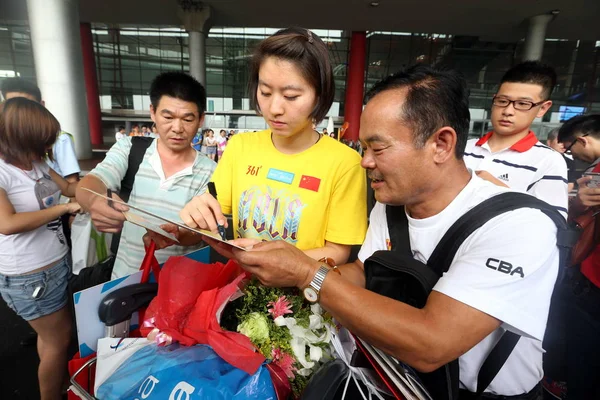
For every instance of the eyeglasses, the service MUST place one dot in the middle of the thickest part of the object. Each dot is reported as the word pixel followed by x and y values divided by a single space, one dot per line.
pixel 521 105
pixel 568 149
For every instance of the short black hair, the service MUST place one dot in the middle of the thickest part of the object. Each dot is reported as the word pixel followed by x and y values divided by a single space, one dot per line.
pixel 533 72
pixel 180 86
pixel 121 127
pixel 580 125
pixel 20 85
pixel 435 98
pixel 309 54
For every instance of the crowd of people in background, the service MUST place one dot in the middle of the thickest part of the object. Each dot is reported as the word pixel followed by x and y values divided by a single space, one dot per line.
pixel 298 198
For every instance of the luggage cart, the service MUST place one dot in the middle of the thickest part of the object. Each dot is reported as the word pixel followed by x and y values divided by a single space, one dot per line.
pixel 115 312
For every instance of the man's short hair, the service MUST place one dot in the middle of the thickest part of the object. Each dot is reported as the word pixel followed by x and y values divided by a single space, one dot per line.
pixel 580 125
pixel 553 134
pixel 121 128
pixel 533 72
pixel 309 54
pixel 20 85
pixel 180 86
pixel 435 98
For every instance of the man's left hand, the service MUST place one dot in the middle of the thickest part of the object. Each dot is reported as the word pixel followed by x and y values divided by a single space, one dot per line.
pixel 277 264
pixel 160 240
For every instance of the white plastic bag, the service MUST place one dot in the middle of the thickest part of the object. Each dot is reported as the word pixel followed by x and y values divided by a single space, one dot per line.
pixel 112 352
pixel 89 245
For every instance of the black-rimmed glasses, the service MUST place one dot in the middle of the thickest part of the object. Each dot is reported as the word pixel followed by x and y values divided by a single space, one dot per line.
pixel 521 105
pixel 568 149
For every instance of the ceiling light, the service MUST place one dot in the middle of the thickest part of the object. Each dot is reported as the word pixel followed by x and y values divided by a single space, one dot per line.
pixel 374 4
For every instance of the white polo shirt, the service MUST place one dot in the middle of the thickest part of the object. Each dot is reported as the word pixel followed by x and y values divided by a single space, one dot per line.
pixel 527 166
pixel 518 295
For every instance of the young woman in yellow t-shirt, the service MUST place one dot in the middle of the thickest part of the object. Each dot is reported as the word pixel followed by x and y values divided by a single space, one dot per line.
pixel 289 182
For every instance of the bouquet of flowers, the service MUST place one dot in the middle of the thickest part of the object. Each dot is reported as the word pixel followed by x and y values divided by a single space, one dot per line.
pixel 287 330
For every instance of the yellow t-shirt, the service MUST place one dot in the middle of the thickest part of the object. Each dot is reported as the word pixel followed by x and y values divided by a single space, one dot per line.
pixel 304 199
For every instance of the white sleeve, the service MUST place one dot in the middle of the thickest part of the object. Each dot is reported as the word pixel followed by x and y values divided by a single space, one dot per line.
pixel 377 234
pixel 551 184
pixel 64 154
pixel 507 269
pixel 5 180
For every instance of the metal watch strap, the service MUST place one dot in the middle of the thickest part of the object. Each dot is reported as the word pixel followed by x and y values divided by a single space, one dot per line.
pixel 319 277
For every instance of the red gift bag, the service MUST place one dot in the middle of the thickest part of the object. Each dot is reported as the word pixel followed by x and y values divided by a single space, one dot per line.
pixel 190 296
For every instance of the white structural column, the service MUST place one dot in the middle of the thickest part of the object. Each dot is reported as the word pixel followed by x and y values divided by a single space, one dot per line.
pixel 536 36
pixel 194 15
pixel 197 56
pixel 54 26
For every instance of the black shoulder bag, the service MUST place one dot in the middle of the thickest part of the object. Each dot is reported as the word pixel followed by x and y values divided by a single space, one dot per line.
pixel 396 274
pixel 101 272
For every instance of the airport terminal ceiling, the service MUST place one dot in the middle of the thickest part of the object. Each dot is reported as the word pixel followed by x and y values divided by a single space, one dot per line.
pixel 497 20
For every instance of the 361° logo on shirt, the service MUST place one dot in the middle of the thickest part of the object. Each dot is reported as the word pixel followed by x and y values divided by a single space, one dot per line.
pixel 253 170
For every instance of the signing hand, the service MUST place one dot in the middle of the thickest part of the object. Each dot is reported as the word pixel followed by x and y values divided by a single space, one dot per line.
pixel 161 241
pixel 203 212
pixel 589 197
pixel 105 218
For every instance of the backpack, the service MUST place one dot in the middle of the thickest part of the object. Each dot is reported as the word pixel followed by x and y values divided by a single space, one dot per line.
pixel 396 274
pixel 101 272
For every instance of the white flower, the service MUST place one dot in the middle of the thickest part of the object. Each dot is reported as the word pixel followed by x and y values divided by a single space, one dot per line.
pixel 316 309
pixel 316 322
pixel 316 353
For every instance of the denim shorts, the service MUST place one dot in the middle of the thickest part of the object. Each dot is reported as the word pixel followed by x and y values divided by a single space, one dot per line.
pixel 48 286
pixel 211 150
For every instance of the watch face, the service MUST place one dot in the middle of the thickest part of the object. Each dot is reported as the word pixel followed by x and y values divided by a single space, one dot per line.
pixel 311 294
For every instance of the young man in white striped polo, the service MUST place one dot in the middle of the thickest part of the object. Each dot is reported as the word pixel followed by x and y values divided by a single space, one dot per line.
pixel 511 155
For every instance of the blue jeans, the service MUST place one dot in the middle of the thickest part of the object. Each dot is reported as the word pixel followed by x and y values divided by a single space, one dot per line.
pixel 583 334
pixel 39 294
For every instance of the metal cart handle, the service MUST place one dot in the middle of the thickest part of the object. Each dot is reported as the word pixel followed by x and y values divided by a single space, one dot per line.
pixel 76 387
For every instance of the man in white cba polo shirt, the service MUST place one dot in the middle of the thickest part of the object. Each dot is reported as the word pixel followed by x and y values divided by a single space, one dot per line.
pixel 414 129
pixel 511 155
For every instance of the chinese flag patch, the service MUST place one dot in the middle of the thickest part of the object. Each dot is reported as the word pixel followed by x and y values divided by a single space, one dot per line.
pixel 310 183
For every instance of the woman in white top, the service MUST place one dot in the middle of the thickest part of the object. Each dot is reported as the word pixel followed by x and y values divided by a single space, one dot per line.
pixel 34 256
pixel 211 144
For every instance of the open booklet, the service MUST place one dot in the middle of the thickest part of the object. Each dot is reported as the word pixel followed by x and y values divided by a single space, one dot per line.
pixel 400 375
pixel 152 222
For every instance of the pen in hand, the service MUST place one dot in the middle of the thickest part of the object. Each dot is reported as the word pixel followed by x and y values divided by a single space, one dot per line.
pixel 109 195
pixel 213 192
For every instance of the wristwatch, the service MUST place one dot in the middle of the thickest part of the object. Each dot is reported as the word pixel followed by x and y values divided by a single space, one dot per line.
pixel 311 292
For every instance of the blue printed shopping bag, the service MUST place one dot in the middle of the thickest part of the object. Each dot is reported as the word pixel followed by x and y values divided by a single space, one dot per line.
pixel 179 372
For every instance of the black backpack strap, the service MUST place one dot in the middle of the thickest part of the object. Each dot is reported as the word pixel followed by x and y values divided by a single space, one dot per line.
pixel 398 228
pixel 444 253
pixel 495 360
pixel 139 145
